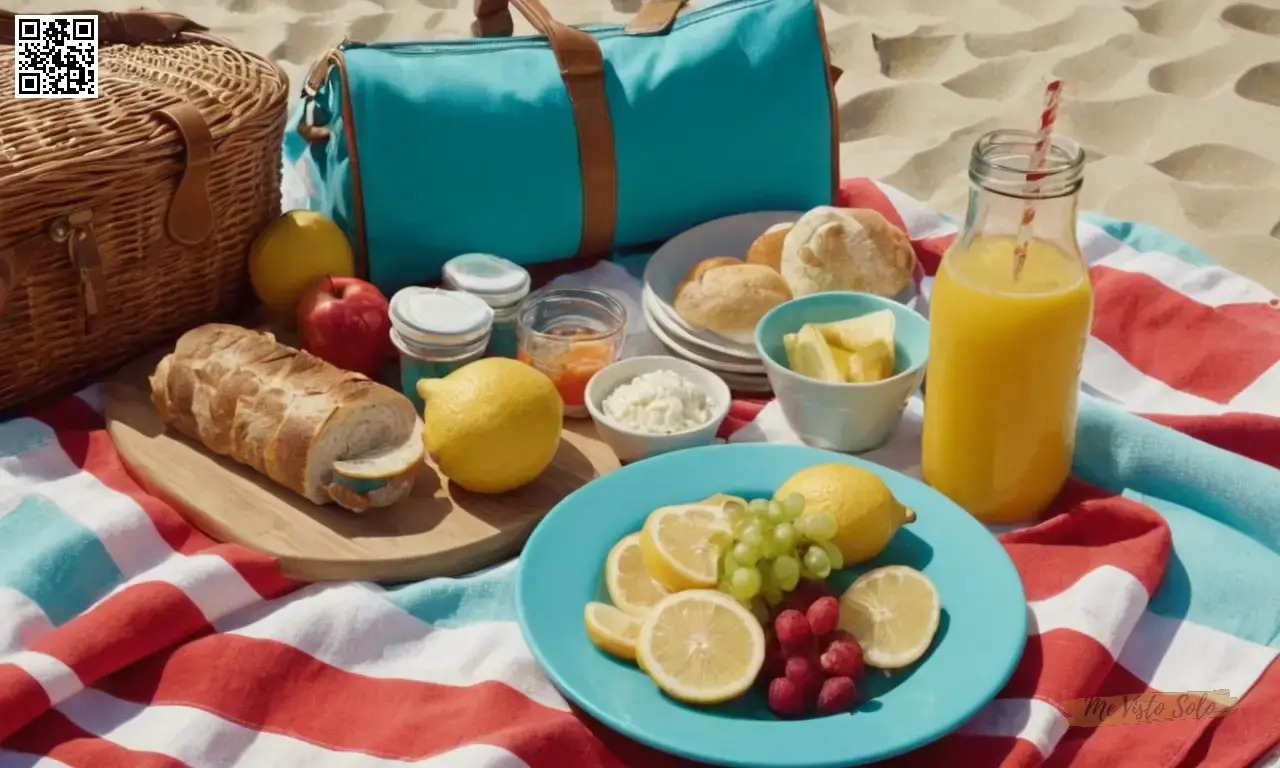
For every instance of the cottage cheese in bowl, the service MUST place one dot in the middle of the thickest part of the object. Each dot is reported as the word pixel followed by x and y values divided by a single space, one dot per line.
pixel 659 402
pixel 644 406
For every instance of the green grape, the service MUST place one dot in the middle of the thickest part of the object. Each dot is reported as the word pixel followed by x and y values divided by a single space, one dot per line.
pixel 817 562
pixel 745 583
pixel 776 513
pixel 746 554
pixel 728 565
pixel 786 572
pixel 723 584
pixel 786 536
pixel 753 534
pixel 794 505
pixel 771 593
pixel 722 540
pixel 833 554
pixel 759 507
pixel 770 547
pixel 737 515
pixel 820 526
pixel 760 609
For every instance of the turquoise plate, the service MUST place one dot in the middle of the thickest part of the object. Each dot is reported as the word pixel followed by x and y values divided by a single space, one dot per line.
pixel 979 639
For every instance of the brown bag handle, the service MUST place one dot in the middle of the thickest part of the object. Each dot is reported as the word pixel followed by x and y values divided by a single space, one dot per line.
pixel 582 69
pixel 123 28
pixel 493 18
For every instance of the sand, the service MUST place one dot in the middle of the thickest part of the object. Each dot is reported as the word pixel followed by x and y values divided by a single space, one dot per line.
pixel 1177 102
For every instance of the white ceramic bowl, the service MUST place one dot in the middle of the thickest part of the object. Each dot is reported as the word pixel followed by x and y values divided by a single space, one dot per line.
pixel 839 416
pixel 632 445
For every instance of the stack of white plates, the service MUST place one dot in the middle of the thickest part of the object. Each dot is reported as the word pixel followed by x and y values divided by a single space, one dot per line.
pixel 734 360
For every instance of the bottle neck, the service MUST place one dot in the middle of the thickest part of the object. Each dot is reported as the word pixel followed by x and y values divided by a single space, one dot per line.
pixel 995 214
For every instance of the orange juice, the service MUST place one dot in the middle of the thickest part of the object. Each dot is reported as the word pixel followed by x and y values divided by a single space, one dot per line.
pixel 1004 369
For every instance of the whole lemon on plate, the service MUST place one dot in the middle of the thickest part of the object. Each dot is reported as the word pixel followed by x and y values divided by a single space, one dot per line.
pixel 866 513
pixel 493 425
pixel 291 253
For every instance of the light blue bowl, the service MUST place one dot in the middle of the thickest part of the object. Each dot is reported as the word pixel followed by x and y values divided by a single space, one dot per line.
pixel 835 415
pixel 978 644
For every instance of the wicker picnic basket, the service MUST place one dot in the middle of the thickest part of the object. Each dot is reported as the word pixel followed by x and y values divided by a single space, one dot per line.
pixel 127 219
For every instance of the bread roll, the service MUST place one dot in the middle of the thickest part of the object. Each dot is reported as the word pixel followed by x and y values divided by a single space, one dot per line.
pixel 328 434
pixel 704 266
pixel 767 248
pixel 846 249
pixel 729 299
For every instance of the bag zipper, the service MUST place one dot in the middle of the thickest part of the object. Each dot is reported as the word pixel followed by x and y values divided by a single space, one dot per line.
pixel 599 31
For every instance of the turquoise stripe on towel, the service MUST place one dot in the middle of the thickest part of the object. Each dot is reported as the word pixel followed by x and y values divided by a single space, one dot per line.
pixel 1225 526
pixel 60 564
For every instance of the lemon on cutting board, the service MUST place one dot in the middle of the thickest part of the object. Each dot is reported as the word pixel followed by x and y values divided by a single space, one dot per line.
pixel 866 513
pixel 291 253
pixel 701 647
pixel 493 425
pixel 893 613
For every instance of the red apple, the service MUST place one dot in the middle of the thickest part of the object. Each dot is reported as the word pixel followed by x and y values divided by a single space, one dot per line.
pixel 345 321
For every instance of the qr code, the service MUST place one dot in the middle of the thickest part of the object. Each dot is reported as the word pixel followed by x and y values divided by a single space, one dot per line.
pixel 56 57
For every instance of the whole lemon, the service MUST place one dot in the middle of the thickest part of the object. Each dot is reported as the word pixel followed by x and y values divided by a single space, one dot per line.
pixel 866 513
pixel 493 425
pixel 292 252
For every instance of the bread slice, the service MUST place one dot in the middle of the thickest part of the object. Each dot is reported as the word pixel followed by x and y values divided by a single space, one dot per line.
pixel 379 479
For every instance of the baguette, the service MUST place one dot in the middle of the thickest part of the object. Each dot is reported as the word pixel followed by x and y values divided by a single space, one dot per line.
pixel 330 435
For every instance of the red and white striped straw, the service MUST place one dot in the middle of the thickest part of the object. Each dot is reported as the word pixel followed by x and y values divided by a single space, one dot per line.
pixel 1044 138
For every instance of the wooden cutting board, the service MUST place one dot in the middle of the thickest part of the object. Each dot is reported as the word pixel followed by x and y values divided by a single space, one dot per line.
pixel 436 531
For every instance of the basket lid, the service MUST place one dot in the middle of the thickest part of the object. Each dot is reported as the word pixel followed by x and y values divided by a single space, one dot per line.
pixel 147 62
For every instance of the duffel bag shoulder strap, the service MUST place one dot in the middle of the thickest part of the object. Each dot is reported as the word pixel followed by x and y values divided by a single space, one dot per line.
pixel 582 69
pixel 655 17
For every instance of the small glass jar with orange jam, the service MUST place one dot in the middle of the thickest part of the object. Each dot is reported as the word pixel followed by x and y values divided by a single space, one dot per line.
pixel 569 334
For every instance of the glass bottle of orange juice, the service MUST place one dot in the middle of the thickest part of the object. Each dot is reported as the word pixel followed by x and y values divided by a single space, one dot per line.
pixel 1005 350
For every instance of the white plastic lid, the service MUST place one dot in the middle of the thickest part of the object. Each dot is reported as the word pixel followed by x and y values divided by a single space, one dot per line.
pixel 438 317
pixel 497 281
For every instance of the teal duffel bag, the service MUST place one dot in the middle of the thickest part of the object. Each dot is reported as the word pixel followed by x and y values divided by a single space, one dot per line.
pixel 571 143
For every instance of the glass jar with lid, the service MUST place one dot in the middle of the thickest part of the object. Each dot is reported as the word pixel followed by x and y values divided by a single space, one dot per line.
pixel 436 331
pixel 501 284
pixel 569 334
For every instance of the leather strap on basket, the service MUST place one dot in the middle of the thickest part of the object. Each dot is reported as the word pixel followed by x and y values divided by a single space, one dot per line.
pixel 75 231
pixel 582 69
pixel 123 28
pixel 190 217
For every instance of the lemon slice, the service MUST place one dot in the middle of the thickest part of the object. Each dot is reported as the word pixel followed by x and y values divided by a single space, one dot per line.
pixel 682 544
pixel 810 356
pixel 631 587
pixel 873 362
pixel 893 613
pixel 701 647
pixel 857 332
pixel 612 631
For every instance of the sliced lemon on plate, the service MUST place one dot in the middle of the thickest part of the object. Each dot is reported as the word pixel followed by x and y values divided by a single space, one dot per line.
pixel 613 631
pixel 701 647
pixel 682 543
pixel 631 587
pixel 893 613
